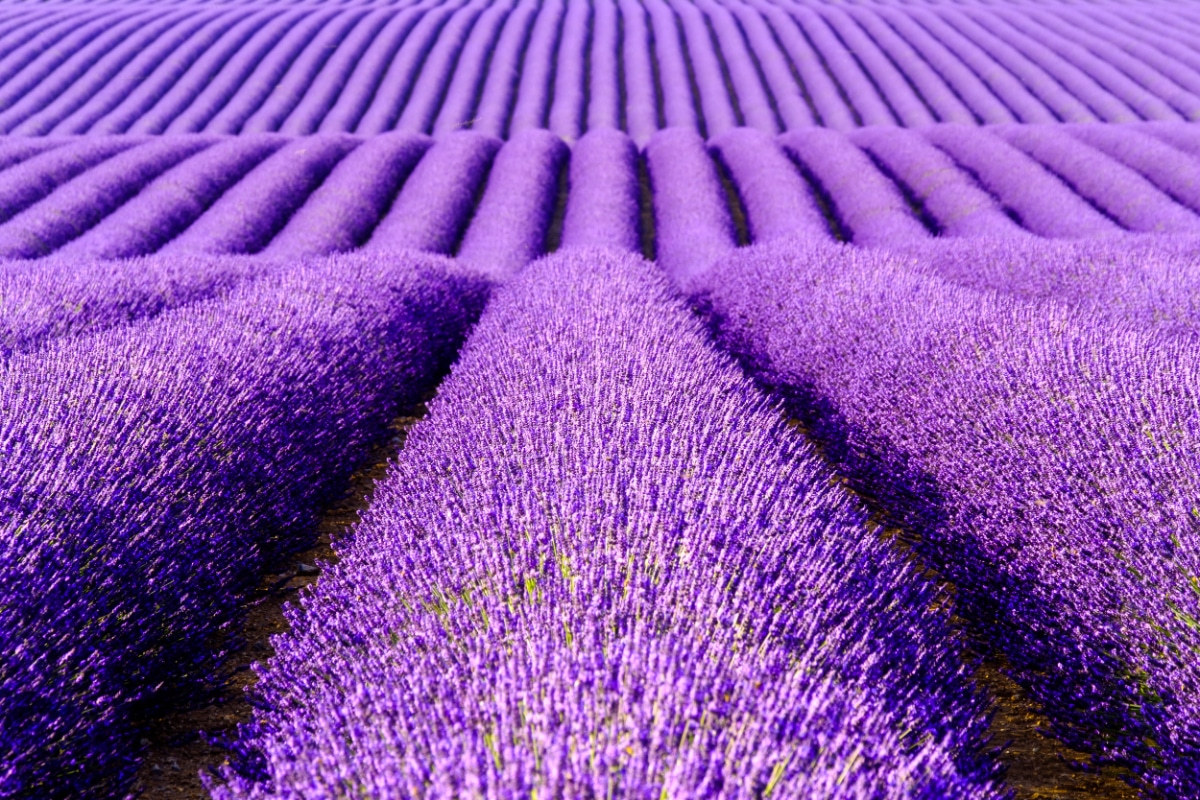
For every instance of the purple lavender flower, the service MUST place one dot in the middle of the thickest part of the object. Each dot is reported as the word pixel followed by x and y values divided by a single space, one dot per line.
pixel 153 469
pixel 603 567
pixel 1037 453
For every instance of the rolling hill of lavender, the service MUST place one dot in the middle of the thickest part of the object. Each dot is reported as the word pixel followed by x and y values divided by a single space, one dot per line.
pixel 784 369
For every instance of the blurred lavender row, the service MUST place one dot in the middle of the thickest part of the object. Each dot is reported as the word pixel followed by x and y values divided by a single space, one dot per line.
pixel 44 301
pixel 1036 439
pixel 155 468
pixel 604 567
pixel 435 66
pixel 467 194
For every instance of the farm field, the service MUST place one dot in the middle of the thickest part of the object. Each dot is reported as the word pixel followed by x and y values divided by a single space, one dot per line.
pixel 599 399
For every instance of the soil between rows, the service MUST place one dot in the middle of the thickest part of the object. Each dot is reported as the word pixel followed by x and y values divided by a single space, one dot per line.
pixel 177 752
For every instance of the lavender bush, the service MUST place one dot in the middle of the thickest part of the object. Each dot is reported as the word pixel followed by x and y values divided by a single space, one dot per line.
pixel 603 567
pixel 868 207
pixel 247 217
pixel 1039 458
pixel 511 225
pixel 153 469
pixel 692 224
pixel 1121 192
pixel 79 204
pixel 1152 282
pixel 1036 197
pixel 950 199
pixel 341 213
pixel 602 204
pixel 779 203
pixel 37 176
pixel 432 210
pixel 166 206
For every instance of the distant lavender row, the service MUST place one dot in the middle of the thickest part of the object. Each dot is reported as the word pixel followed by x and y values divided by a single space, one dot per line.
pixel 426 66
pixel 116 197
pixel 44 301
pixel 1149 282
pixel 603 567
pixel 154 469
pixel 1037 443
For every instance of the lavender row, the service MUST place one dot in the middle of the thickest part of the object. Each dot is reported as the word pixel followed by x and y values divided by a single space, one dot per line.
pixel 603 567
pixel 1149 282
pixel 1035 445
pixel 69 297
pixel 156 468
pixel 114 197
pixel 710 65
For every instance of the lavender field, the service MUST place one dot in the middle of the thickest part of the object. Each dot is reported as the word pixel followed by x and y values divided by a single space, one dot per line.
pixel 599 399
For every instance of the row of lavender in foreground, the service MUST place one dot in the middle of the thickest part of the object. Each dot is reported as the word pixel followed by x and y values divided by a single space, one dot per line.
pixel 116 197
pixel 153 469
pixel 511 65
pixel 1042 456
pixel 603 567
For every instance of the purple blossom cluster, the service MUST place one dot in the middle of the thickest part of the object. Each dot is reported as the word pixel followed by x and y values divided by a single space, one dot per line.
pixel 152 470
pixel 1036 452
pixel 603 566
pixel 434 67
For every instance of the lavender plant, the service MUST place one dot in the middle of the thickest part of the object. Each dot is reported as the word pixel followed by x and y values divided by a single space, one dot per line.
pixel 603 567
pixel 779 202
pixel 153 469
pixel 1121 192
pixel 247 217
pixel 868 208
pixel 75 207
pixel 954 203
pixel 1039 199
pixel 341 213
pixel 166 206
pixel 692 224
pixel 1039 458
pixel 433 208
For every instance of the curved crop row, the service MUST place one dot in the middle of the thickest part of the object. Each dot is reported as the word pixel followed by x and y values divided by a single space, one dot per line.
pixel 432 210
pixel 1121 192
pixel 692 222
pixel 603 207
pixel 1036 453
pixel 173 201
pixel 1039 200
pixel 512 224
pixel 154 469
pixel 83 201
pixel 603 567
pixel 341 213
pixel 778 202
pixel 246 217
pixel 121 196
pixel 955 203
pixel 869 209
